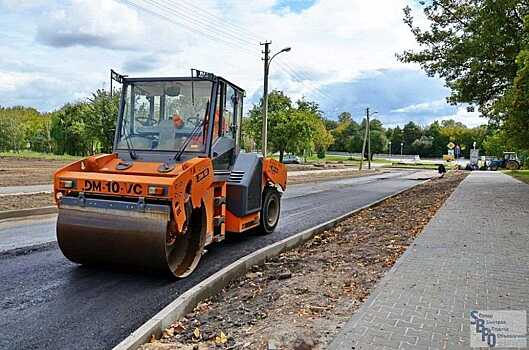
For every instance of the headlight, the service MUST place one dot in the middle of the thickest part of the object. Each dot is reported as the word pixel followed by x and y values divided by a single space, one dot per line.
pixel 68 184
pixel 156 191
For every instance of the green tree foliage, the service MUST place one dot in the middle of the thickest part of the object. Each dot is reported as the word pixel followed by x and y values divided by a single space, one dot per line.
pixel 346 134
pixel 471 44
pixel 77 129
pixel 69 130
pixel 24 128
pixel 410 134
pixel 496 143
pixel 292 128
pixel 513 108
pixel 102 115
pixel 481 49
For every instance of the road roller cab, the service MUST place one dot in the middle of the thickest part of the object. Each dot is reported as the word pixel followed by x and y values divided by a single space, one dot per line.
pixel 175 182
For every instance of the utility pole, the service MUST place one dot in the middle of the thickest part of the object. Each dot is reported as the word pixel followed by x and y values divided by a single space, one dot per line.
pixel 264 132
pixel 366 135
pixel 368 141
pixel 267 60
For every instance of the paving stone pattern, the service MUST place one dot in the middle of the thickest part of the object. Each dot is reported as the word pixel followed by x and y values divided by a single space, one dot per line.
pixel 473 255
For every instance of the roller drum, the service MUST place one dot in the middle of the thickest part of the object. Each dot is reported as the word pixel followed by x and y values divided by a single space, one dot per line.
pixel 123 234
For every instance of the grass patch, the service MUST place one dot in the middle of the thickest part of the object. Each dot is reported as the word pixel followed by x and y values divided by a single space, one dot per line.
pixel 416 166
pixel 38 155
pixel 522 175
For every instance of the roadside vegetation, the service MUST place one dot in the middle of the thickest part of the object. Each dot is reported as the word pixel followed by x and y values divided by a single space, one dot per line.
pixel 522 175
pixel 460 42
pixel 87 127
pixel 37 155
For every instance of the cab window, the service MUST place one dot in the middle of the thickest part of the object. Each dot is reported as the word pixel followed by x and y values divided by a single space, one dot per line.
pixel 230 103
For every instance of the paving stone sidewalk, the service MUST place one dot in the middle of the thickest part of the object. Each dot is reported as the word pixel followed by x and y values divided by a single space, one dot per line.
pixel 473 255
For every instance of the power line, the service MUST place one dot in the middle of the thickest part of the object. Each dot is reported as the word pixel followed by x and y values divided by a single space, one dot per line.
pixel 207 25
pixel 235 28
pixel 229 36
pixel 190 24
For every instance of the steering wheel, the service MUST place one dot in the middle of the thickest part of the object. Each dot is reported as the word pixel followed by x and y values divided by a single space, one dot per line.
pixel 193 121
pixel 147 121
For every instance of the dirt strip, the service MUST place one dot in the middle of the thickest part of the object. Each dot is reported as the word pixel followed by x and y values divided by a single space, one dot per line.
pixel 21 171
pixel 331 175
pixel 26 201
pixel 300 299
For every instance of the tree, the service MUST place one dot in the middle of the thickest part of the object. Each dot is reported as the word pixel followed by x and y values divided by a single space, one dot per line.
pixel 290 129
pixel 278 104
pixel 396 139
pixel 322 138
pixel 472 45
pixel 513 108
pixel 423 146
pixel 69 131
pixel 345 131
pixel 410 133
pixel 496 143
pixel 101 119
pixel 345 117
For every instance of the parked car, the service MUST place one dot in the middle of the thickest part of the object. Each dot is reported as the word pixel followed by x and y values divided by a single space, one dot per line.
pixel 291 159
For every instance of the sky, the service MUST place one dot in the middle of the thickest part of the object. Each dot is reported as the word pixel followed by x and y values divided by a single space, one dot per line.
pixel 342 57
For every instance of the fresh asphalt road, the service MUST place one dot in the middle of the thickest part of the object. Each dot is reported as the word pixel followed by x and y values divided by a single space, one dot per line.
pixel 48 302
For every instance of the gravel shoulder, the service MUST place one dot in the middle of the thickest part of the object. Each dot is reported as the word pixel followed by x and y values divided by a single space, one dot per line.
pixel 301 299
pixel 26 201
pixel 22 171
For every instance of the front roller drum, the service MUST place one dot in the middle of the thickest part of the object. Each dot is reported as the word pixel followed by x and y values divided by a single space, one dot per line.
pixel 123 234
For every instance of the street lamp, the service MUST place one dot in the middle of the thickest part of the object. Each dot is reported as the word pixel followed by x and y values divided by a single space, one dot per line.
pixel 389 150
pixel 401 149
pixel 267 61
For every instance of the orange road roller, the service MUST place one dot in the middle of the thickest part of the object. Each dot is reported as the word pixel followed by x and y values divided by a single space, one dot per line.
pixel 175 182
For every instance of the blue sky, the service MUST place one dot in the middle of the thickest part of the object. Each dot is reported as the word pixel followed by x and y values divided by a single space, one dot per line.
pixel 57 51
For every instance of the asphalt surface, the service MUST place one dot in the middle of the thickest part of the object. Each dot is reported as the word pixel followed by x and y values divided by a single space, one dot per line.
pixel 50 303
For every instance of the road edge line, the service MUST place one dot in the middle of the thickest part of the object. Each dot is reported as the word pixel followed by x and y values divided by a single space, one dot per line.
pixel 187 301
pixel 22 213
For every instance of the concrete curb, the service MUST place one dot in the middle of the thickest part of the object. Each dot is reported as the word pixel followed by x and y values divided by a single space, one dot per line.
pixel 216 282
pixel 20 213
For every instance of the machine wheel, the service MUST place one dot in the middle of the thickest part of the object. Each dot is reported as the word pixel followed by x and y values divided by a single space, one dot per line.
pixel 494 167
pixel 512 165
pixel 270 210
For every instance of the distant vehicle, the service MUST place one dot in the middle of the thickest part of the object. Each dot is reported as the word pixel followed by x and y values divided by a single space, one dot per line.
pixel 509 161
pixel 291 159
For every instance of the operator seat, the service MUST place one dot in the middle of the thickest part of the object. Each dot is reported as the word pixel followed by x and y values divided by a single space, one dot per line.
pixel 167 140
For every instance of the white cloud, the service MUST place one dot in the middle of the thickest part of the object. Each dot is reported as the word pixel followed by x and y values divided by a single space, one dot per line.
pixel 98 23
pixel 332 41
pixel 470 119
pixel 433 106
pixel 18 5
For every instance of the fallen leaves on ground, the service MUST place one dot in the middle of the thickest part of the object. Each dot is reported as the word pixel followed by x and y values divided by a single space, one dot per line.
pixel 301 298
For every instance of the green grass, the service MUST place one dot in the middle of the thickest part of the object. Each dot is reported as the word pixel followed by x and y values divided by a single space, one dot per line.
pixel 37 155
pixel 344 159
pixel 522 175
